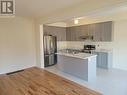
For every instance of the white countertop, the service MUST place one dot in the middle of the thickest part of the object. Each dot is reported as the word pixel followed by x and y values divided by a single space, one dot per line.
pixel 103 50
pixel 78 55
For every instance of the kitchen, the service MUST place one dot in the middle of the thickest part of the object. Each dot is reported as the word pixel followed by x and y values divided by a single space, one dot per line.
pixel 72 41
pixel 91 33
pixel 63 47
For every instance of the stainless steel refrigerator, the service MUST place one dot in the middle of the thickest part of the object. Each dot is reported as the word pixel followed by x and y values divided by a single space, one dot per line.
pixel 50 48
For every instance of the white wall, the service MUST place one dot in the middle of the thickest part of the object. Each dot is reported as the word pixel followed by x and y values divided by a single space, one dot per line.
pixel 17 44
pixel 120 44
pixel 41 47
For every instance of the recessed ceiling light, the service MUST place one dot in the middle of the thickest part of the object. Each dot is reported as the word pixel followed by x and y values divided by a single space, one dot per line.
pixel 76 21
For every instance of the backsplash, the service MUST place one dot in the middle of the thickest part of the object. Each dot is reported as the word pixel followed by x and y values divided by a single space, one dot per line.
pixel 80 45
pixel 99 45
pixel 61 45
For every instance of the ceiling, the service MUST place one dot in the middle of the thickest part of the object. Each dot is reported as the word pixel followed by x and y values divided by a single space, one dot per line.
pixel 57 8
pixel 40 8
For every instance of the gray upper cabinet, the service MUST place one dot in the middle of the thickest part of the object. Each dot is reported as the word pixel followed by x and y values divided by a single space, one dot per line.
pixel 102 31
pixel 106 34
pixel 98 28
pixel 77 33
pixel 92 32
pixel 98 31
pixel 68 34
pixel 71 33
pixel 59 32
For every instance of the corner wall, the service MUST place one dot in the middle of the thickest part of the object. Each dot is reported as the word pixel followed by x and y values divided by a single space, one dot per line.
pixel 17 44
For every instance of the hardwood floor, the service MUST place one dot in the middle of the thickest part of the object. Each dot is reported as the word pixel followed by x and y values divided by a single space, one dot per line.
pixel 35 81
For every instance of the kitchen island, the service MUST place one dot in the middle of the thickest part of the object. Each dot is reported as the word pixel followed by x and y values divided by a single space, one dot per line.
pixel 81 65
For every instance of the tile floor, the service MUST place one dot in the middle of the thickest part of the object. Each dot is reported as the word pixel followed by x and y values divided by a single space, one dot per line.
pixel 108 82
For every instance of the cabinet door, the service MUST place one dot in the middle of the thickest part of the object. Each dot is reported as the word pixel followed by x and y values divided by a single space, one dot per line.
pixel 101 31
pixel 98 28
pixel 59 32
pixel 99 61
pixel 104 60
pixel 82 32
pixel 63 34
pixel 68 34
pixel 78 33
pixel 47 30
pixel 73 33
pixel 106 34
pixel 85 30
pixel 91 31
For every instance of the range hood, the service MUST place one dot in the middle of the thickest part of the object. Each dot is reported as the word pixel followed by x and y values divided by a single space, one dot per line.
pixel 86 37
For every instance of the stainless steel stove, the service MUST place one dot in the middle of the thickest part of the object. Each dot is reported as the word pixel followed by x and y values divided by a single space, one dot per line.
pixel 89 48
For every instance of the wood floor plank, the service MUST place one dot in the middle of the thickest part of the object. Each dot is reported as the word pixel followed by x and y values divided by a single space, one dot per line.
pixel 36 81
